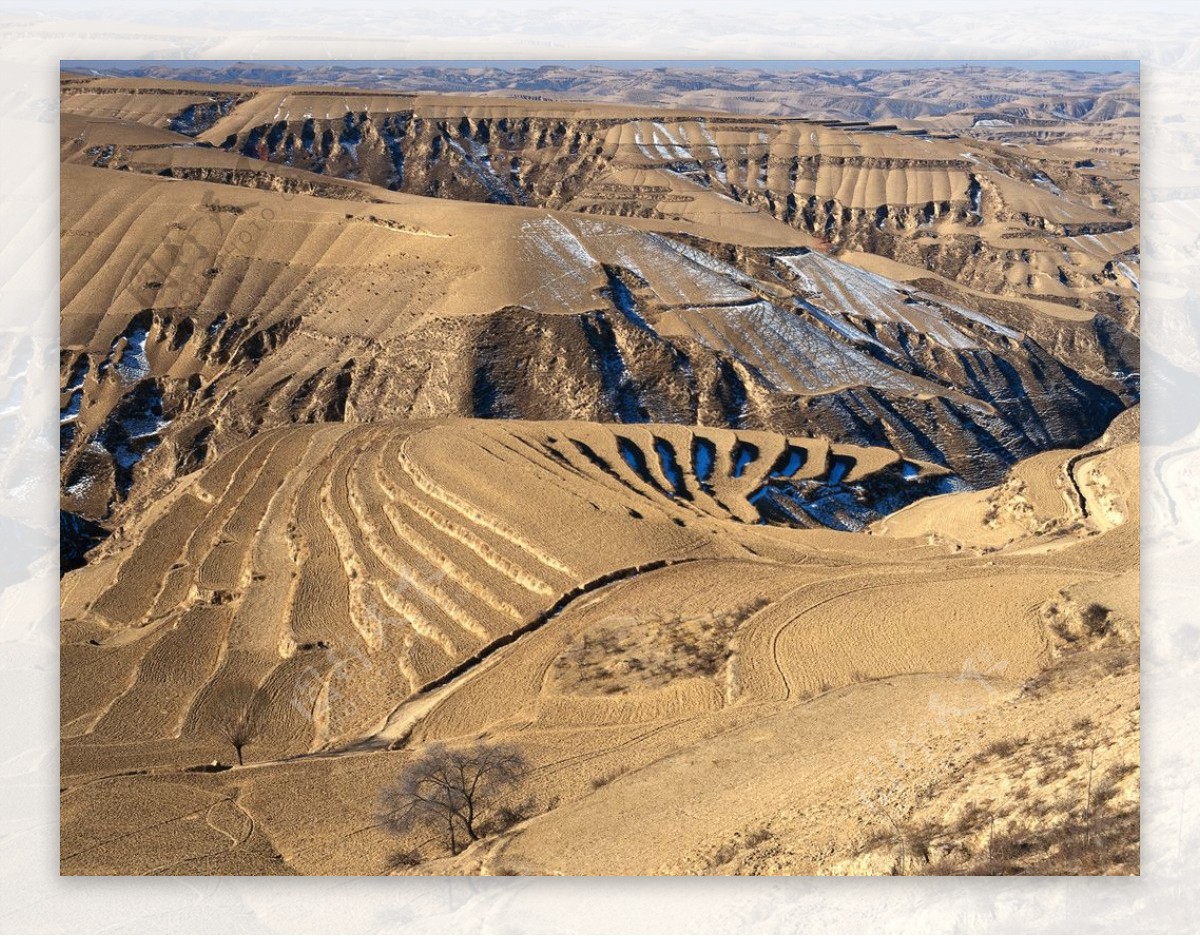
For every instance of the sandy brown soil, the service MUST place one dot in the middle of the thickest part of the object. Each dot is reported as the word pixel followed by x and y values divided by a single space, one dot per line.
pixel 780 540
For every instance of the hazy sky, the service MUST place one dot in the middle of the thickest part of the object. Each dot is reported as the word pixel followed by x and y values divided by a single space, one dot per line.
pixel 1090 65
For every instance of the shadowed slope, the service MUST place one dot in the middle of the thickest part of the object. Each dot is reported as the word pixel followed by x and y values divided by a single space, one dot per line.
pixel 187 327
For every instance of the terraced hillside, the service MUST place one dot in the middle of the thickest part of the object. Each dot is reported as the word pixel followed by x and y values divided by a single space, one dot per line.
pixel 244 560
pixel 690 452
pixel 407 584
pixel 187 327
pixel 972 210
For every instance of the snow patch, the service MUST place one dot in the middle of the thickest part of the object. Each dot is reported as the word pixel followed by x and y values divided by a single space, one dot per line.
pixel 70 412
pixel 704 456
pixel 787 353
pixel 677 151
pixel 1041 180
pixel 133 364
pixel 851 291
pixel 743 454
pixel 1129 276
pixel 670 467
pixel 480 163
pixel 569 267
pixel 718 162
pixel 796 457
pixel 640 141
pixel 838 324
pixel 80 487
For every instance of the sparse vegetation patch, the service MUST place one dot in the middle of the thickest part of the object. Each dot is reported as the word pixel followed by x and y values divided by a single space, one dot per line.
pixel 625 652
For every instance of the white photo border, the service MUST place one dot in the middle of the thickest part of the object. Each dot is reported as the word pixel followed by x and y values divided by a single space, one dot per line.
pixel 34 37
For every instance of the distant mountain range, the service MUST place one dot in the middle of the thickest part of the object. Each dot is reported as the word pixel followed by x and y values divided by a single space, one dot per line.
pixel 1019 97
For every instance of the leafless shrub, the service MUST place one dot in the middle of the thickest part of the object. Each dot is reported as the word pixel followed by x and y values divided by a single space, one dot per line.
pixel 239 734
pixel 406 858
pixel 1095 620
pixel 1059 848
pixel 742 842
pixel 1121 659
pixel 506 816
pixel 723 855
pixel 920 837
pixel 1093 832
pixel 756 836
pixel 1002 747
pixel 653 651
pixel 605 778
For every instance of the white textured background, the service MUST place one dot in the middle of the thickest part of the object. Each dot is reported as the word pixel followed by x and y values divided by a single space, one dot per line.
pixel 34 36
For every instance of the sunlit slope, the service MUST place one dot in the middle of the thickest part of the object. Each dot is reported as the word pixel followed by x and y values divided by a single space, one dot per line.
pixel 1043 502
pixel 750 474
pixel 1009 221
pixel 308 557
pixel 669 639
pixel 874 695
pixel 196 314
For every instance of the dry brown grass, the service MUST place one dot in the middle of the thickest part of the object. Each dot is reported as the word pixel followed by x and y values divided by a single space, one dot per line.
pixel 627 653
pixel 1002 747
pixel 740 846
pixel 1107 845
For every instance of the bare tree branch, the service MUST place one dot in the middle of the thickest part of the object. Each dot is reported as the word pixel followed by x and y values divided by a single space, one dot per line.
pixel 455 790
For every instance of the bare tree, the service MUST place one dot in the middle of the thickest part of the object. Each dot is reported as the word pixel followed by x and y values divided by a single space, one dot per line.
pixel 453 794
pixel 238 733
pixel 238 727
